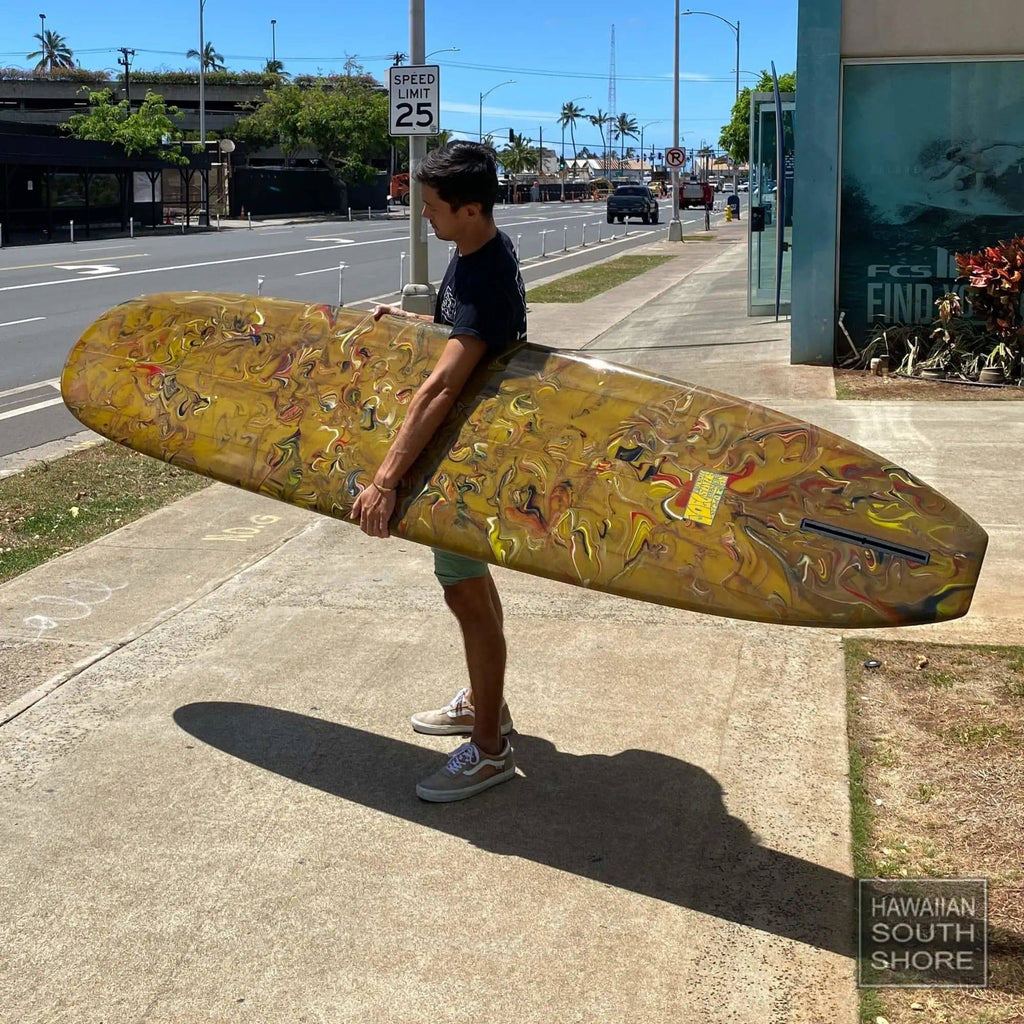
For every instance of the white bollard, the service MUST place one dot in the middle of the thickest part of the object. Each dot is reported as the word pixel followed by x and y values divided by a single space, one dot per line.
pixel 350 215
pixel 72 231
pixel 401 272
pixel 565 238
pixel 341 283
pixel 218 222
pixel 249 215
pixel 543 243
pixel 369 213
pixel 131 227
pixel 519 238
pixel 259 284
pixel 600 232
pixel 583 238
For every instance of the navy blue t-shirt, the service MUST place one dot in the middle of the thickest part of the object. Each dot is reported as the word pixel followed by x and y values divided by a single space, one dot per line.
pixel 482 295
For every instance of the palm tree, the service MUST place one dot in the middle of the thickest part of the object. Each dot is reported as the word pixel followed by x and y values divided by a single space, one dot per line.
pixel 212 60
pixel 625 128
pixel 54 52
pixel 598 120
pixel 568 118
pixel 518 155
pixel 274 67
pixel 442 138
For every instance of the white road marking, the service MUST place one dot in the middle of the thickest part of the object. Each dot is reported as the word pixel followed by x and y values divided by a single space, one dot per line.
pixel 30 320
pixel 53 382
pixel 88 269
pixel 30 408
pixel 164 270
pixel 41 266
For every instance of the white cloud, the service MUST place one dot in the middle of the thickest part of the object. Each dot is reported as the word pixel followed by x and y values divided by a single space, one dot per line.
pixel 474 108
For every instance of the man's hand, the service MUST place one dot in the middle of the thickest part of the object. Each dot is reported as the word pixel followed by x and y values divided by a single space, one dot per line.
pixel 373 510
pixel 379 311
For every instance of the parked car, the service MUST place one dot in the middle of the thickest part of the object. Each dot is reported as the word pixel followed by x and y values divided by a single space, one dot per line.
pixel 632 201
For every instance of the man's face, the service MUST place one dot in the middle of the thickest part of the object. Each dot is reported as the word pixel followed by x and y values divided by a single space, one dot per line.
pixel 448 224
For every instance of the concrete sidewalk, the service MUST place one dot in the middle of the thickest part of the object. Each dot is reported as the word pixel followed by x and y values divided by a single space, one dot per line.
pixel 207 768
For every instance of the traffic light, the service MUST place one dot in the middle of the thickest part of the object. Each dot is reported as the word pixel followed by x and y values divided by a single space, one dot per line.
pixel 511 137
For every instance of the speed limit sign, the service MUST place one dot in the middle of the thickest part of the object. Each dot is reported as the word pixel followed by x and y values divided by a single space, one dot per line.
pixel 675 157
pixel 415 92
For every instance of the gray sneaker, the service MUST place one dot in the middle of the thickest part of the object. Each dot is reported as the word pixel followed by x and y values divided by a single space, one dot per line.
pixel 469 771
pixel 456 719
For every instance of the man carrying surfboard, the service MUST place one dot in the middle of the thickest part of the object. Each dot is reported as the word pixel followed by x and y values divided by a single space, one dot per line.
pixel 483 301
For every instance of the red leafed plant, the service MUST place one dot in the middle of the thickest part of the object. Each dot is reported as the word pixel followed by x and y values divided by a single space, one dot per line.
pixel 995 276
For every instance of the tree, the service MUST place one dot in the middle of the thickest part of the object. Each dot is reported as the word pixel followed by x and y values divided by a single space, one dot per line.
pixel 599 120
pixel 625 127
pixel 442 138
pixel 567 119
pixel 274 67
pixel 518 155
pixel 54 52
pixel 735 137
pixel 136 133
pixel 212 61
pixel 346 123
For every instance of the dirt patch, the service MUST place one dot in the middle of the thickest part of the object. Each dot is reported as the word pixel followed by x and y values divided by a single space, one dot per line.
pixel 937 777
pixel 860 384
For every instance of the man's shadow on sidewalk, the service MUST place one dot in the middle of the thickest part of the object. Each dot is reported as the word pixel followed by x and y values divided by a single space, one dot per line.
pixel 637 820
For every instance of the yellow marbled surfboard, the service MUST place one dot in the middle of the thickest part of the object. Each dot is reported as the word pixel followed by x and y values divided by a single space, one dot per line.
pixel 552 463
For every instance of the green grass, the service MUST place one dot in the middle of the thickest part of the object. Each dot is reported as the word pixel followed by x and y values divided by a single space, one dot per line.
pixel 978 735
pixel 590 282
pixel 57 506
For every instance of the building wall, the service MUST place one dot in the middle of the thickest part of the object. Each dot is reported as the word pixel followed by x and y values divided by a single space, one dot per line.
pixel 834 33
pixel 931 28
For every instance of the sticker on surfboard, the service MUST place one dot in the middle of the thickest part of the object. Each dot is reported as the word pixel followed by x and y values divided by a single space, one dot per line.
pixel 705 497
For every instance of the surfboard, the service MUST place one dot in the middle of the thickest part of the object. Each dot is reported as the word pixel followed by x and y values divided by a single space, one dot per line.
pixel 551 462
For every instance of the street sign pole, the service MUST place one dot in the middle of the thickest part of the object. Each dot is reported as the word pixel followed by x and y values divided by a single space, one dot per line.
pixel 418 296
pixel 675 228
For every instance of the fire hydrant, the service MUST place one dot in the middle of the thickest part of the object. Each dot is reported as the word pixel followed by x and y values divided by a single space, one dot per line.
pixel 728 213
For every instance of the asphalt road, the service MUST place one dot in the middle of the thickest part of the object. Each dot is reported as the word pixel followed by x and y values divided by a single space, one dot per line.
pixel 50 294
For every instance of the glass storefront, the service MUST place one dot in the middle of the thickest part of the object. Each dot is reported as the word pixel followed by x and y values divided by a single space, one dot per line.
pixel 932 164
pixel 765 220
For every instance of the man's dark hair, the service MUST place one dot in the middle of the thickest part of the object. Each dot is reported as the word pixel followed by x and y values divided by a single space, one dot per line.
pixel 461 173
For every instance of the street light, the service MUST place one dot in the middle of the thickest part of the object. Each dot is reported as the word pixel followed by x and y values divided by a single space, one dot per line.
pixel 483 96
pixel 642 127
pixel 273 40
pixel 447 49
pixel 736 29
pixel 42 34
pixel 573 100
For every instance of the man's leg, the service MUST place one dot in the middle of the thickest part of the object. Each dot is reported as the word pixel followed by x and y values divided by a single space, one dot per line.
pixel 477 607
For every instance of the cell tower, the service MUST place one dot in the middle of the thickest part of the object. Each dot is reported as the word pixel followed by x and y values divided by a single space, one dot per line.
pixel 611 79
pixel 611 94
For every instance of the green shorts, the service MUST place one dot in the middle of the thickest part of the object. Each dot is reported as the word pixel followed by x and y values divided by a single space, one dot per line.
pixel 451 569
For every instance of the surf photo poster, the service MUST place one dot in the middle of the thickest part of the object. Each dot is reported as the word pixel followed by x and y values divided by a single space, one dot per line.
pixel 932 164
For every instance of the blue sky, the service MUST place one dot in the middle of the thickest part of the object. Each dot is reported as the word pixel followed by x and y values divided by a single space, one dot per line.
pixel 555 53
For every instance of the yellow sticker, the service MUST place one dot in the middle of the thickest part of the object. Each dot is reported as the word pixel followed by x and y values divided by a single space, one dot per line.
pixel 705 497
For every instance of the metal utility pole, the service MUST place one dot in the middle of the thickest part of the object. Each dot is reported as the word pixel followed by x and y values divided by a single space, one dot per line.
pixel 125 62
pixel 273 40
pixel 203 172
pixel 418 296
pixel 675 228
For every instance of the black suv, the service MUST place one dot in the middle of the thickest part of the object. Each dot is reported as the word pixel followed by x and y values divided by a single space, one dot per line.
pixel 632 201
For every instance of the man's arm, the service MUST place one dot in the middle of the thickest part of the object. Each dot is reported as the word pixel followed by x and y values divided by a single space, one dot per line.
pixel 379 311
pixel 430 405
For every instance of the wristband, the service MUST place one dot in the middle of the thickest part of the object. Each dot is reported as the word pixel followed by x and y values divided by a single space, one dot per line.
pixel 383 490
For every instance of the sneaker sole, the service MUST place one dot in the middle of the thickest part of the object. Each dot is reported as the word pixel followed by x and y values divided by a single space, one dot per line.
pixel 450 730
pixel 447 796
